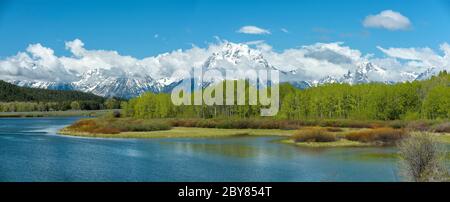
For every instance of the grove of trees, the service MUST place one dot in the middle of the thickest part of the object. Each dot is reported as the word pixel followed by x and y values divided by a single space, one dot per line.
pixel 20 99
pixel 428 99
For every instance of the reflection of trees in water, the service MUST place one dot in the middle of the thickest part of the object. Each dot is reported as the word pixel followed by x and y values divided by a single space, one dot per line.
pixel 233 149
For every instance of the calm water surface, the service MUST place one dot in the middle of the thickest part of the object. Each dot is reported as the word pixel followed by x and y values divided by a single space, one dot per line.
pixel 30 150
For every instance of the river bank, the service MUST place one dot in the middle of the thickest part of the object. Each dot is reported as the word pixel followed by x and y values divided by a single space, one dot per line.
pixel 302 136
pixel 185 132
pixel 35 153
pixel 70 113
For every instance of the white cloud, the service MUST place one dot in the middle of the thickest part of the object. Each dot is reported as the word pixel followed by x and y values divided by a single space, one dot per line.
pixel 317 60
pixel 387 19
pixel 424 57
pixel 76 47
pixel 284 30
pixel 311 61
pixel 253 30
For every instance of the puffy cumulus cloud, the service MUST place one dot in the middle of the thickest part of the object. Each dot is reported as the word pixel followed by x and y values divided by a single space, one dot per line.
pixel 311 62
pixel 38 63
pixel 402 61
pixel 316 61
pixel 387 19
pixel 166 64
pixel 250 29
pixel 84 60
pixel 421 57
pixel 76 47
pixel 260 45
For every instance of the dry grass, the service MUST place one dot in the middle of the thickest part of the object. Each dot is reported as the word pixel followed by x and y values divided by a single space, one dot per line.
pixel 420 125
pixel 275 124
pixel 334 129
pixel 314 135
pixel 183 132
pixel 115 126
pixel 442 128
pixel 236 123
pixel 377 135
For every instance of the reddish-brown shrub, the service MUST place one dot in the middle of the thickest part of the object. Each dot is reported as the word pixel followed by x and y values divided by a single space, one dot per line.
pixel 442 128
pixel 419 125
pixel 334 129
pixel 381 135
pixel 313 135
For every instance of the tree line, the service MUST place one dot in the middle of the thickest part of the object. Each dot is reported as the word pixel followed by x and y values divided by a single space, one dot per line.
pixel 428 99
pixel 21 99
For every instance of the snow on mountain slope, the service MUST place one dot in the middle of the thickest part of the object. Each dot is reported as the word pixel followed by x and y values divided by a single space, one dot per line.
pixel 228 57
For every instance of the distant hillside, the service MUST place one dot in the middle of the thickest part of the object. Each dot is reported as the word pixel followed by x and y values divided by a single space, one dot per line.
pixel 13 93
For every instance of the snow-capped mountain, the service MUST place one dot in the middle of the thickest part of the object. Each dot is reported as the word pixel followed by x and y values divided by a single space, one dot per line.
pixel 108 83
pixel 236 56
pixel 43 84
pixel 367 72
pixel 229 57
pixel 427 73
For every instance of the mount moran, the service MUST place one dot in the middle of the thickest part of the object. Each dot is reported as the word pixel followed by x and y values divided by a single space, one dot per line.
pixel 118 82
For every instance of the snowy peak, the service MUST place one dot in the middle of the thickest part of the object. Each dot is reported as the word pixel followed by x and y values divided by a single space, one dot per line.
pixel 427 73
pixel 365 72
pixel 232 55
pixel 130 81
pixel 43 84
pixel 368 72
pixel 113 83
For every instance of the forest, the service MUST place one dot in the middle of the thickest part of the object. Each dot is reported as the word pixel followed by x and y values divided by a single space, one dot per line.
pixel 427 99
pixel 21 99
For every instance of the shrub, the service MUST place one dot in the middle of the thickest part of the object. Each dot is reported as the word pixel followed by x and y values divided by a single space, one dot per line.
pixel 84 125
pixel 334 129
pixel 313 135
pixel 350 124
pixel 117 125
pixel 423 159
pixel 397 124
pixel 235 123
pixel 377 135
pixel 442 128
pixel 116 114
pixel 272 123
pixel 419 125
pixel 105 130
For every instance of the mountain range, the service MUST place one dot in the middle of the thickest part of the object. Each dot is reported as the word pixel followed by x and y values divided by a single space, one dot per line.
pixel 235 57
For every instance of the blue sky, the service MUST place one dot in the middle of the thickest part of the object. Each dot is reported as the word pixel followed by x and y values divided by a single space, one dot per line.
pixel 131 27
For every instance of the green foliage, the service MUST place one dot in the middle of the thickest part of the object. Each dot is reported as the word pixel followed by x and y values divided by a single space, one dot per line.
pixel 428 99
pixel 20 99
pixel 112 103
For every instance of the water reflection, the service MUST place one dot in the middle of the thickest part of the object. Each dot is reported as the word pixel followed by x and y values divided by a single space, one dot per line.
pixel 236 147
pixel 34 152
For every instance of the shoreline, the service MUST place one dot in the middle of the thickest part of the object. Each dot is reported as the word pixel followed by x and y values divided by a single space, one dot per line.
pixel 185 132
pixel 194 132
pixel 69 113
pixel 336 144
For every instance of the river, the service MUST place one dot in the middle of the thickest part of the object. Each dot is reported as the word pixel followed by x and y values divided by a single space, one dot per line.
pixel 31 150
